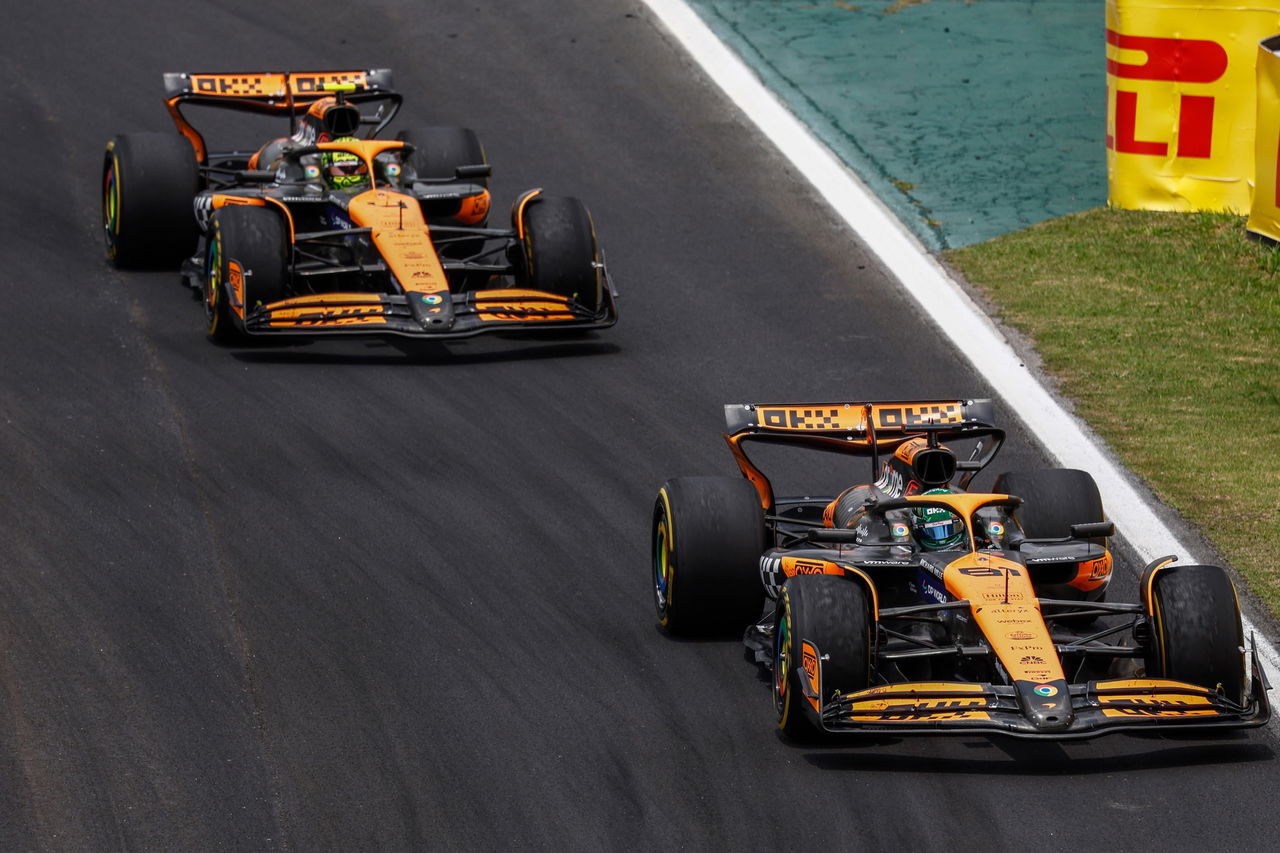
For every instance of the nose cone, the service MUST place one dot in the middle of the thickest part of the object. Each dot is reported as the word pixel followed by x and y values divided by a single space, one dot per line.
pixel 1047 705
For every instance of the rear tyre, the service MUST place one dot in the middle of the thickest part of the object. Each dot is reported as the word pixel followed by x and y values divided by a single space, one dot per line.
pixel 246 264
pixel 1196 633
pixel 1053 500
pixel 439 151
pixel 149 181
pixel 708 535
pixel 833 614
pixel 560 250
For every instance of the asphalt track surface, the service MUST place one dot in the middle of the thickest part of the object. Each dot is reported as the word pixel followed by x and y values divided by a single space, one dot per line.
pixel 361 596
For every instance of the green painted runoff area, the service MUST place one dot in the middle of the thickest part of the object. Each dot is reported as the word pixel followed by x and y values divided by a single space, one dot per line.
pixel 968 119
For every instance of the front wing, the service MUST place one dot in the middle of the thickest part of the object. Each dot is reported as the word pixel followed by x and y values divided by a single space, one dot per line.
pixel 421 315
pixel 1097 708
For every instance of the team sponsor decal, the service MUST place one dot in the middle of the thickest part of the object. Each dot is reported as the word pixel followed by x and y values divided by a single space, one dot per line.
pixel 1027 660
pixel 432 298
pixel 1020 635
pixel 850 418
pixel 1046 690
pixel 929 589
pixel 900 530
pixel 1099 568
pixel 995 528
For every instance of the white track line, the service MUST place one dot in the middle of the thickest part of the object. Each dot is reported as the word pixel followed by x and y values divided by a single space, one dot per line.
pixel 967 325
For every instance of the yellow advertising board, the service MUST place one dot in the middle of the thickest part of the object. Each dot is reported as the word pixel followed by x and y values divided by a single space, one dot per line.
pixel 1264 214
pixel 1181 109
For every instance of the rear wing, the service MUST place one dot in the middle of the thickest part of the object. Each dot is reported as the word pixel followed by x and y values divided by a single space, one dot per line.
pixel 276 93
pixel 861 429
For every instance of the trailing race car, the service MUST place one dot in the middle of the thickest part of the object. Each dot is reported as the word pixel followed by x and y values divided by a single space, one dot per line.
pixel 324 232
pixel 912 605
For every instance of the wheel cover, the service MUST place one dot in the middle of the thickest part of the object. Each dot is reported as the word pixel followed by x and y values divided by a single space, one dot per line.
pixel 663 570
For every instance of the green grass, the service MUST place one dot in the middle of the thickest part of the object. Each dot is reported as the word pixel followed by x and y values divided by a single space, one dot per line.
pixel 1164 329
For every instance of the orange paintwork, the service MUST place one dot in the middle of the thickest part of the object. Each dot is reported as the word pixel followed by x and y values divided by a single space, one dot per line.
pixel 324 310
pixel 507 305
pixel 1093 573
pixel 517 213
pixel 273 85
pixel 905 699
pixel 1193 706
pixel 809 664
pixel 757 478
pixel 219 201
pixel 909 448
pixel 401 235
pixel 473 209
pixel 1005 607
pixel 235 278
pixel 852 417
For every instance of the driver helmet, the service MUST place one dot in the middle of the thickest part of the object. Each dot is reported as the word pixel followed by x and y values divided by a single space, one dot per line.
pixel 935 527
pixel 342 169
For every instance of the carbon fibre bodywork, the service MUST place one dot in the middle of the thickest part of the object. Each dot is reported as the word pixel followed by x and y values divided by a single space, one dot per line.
pixel 396 251
pixel 1003 629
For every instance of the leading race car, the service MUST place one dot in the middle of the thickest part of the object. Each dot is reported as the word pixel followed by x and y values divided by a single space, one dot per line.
pixel 326 231
pixel 912 605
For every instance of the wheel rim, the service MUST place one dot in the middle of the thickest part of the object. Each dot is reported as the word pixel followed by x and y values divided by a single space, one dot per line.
pixel 781 663
pixel 111 205
pixel 213 280
pixel 662 568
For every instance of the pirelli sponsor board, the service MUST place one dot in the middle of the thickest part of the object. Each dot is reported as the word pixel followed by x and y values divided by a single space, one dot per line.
pixel 1181 106
pixel 1264 213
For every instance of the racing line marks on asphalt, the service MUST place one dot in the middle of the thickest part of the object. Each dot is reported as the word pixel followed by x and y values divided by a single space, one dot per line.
pixel 969 329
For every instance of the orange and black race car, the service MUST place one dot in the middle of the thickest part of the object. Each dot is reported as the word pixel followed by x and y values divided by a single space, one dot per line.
pixel 910 604
pixel 330 230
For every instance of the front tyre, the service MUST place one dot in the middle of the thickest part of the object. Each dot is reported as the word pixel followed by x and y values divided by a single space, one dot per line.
pixel 832 613
pixel 246 266
pixel 560 253
pixel 1196 632
pixel 708 535
pixel 148 183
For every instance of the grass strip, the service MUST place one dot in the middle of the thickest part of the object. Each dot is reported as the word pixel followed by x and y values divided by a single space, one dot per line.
pixel 1164 330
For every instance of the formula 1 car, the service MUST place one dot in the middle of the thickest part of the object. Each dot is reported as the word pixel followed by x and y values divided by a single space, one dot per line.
pixel 323 232
pixel 912 605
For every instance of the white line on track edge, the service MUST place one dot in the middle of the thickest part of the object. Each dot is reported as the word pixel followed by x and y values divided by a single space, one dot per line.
pixel 971 331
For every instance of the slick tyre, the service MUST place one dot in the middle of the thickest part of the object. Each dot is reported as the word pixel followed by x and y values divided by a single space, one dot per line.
pixel 439 151
pixel 149 181
pixel 1053 499
pixel 246 266
pixel 708 535
pixel 832 613
pixel 560 253
pixel 1196 634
